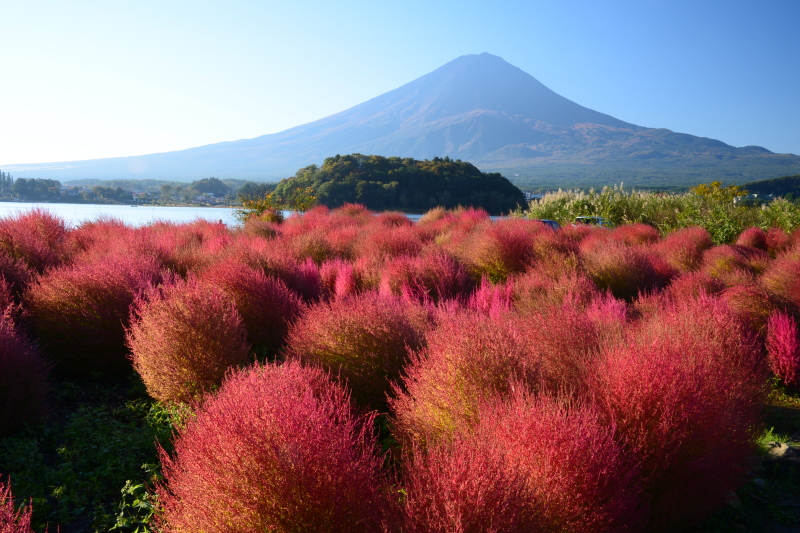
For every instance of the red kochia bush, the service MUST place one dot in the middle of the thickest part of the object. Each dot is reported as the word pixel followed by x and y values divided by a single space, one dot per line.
pixel 266 304
pixel 499 249
pixel 363 339
pixel 683 249
pixel 184 338
pixel 11 519
pixel 431 276
pixel 783 348
pixel 634 234
pixel 623 269
pixel 277 449
pixel 685 397
pixel 469 357
pixel 531 464
pixel 15 272
pixel 753 237
pixel 37 237
pixel 23 377
pixel 80 311
pixel 782 279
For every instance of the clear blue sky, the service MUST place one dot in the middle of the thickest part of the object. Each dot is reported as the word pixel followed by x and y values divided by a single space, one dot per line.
pixel 84 79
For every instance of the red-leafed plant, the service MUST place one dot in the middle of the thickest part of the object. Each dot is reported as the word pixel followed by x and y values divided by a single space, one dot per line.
pixel 184 338
pixel 754 238
pixel 267 306
pixel 623 269
pixel 531 464
pixel 80 311
pixel 363 339
pixel 431 276
pixel 783 348
pixel 23 373
pixel 469 357
pixel 37 237
pixel 13 520
pixel 690 378
pixel 683 249
pixel 276 449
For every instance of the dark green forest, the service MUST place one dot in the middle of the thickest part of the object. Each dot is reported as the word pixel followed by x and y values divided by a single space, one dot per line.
pixel 406 184
pixel 785 186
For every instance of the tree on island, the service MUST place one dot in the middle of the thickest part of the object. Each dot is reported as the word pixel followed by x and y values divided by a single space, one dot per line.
pixel 213 186
pixel 406 184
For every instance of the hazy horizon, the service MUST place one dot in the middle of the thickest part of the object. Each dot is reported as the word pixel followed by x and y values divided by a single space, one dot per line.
pixel 85 80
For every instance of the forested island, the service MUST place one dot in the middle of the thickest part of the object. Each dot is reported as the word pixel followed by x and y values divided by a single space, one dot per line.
pixel 405 184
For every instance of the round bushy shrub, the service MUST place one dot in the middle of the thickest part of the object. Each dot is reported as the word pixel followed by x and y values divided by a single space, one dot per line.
pixel 469 357
pixel 276 449
pixel 683 248
pixel 623 269
pixel 183 339
pixel 783 348
pixel 80 311
pixel 530 464
pixel 267 306
pixel 431 276
pixel 685 397
pixel 363 339
pixel 37 237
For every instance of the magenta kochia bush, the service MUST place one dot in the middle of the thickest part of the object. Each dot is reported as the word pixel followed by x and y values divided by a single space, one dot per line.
pixel 623 269
pixel 783 348
pixel 23 377
pixel 80 311
pixel 469 357
pixel 11 519
pixel 276 449
pixel 500 249
pixel 683 249
pixel 37 237
pixel 363 339
pixel 184 338
pixel 266 304
pixel 430 276
pixel 782 279
pixel 685 396
pixel 531 464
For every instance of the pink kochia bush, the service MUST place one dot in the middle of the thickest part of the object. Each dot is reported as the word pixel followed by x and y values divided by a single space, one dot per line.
pixel 11 519
pixel 23 375
pixel 365 340
pixel 531 464
pixel 80 311
pixel 37 237
pixel 783 348
pixel 276 449
pixel 469 358
pixel 184 338
pixel 684 397
pixel 267 306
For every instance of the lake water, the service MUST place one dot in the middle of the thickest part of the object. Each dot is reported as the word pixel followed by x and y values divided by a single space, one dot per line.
pixel 75 214
pixel 140 215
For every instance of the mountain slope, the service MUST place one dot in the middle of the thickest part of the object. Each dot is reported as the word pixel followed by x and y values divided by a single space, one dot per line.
pixel 477 108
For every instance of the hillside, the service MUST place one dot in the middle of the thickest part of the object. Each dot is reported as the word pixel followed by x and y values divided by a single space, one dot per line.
pixel 382 183
pixel 477 108
pixel 782 186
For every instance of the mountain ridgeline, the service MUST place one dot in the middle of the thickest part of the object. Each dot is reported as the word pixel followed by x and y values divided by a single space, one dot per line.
pixel 406 184
pixel 476 108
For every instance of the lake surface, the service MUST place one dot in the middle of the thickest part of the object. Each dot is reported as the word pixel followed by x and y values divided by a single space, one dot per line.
pixel 140 215
pixel 75 214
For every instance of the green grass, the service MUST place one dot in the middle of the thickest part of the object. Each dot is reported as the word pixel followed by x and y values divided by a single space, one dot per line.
pixel 100 439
